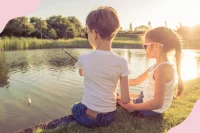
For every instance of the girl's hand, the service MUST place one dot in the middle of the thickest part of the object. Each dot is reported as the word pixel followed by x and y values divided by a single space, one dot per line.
pixel 130 106
pixel 118 83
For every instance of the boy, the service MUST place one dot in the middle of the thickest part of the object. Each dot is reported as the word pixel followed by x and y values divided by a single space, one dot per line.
pixel 102 70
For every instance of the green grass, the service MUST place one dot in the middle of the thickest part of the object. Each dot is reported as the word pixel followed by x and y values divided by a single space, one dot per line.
pixel 127 42
pixel 14 43
pixel 120 41
pixel 128 123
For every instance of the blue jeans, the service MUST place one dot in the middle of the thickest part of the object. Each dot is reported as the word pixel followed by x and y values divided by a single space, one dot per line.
pixel 102 119
pixel 145 113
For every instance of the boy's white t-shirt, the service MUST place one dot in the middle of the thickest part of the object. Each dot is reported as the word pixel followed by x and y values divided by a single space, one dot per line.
pixel 102 71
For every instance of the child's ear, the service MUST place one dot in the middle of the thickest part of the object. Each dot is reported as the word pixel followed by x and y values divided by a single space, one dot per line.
pixel 94 35
pixel 157 45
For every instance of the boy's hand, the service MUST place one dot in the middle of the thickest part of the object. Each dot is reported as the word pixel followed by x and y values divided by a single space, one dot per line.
pixel 118 97
pixel 120 103
pixel 81 72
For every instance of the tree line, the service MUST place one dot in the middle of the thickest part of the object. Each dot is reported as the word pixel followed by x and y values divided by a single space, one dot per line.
pixel 59 27
pixel 55 27
pixel 189 33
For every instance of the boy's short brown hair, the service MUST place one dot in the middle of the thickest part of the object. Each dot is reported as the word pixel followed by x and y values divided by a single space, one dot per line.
pixel 105 21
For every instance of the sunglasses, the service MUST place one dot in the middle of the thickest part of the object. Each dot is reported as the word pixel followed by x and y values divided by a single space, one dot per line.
pixel 86 34
pixel 150 43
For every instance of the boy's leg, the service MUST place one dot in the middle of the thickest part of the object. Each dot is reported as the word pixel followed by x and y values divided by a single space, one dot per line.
pixel 79 113
pixel 105 119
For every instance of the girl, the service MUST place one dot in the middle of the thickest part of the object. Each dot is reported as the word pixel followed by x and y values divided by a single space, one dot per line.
pixel 157 96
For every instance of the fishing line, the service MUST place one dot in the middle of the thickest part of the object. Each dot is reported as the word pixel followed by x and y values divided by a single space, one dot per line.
pixel 52 41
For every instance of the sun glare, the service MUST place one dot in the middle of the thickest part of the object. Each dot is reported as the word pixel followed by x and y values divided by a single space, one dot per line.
pixel 189 66
pixel 176 11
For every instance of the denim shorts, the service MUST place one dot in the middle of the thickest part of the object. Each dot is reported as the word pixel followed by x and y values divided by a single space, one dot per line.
pixel 102 119
pixel 145 113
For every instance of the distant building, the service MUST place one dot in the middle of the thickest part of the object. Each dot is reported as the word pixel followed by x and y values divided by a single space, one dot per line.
pixel 141 29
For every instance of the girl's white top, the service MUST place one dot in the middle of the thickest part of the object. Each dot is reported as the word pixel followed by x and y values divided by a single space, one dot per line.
pixel 149 89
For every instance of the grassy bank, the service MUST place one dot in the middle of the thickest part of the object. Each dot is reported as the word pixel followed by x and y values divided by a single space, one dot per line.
pixel 14 43
pixel 128 123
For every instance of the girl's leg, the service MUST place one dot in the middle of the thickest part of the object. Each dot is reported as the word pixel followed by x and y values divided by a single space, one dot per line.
pixel 133 95
pixel 149 113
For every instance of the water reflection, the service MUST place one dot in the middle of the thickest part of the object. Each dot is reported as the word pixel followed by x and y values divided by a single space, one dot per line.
pixel 18 65
pixel 60 61
pixel 57 59
pixel 3 71
pixel 190 65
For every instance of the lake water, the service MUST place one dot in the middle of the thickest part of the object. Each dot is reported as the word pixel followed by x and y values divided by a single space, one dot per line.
pixel 49 78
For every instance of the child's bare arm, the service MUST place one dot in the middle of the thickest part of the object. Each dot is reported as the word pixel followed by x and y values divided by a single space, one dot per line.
pixel 160 82
pixel 125 98
pixel 157 102
pixel 81 72
pixel 138 80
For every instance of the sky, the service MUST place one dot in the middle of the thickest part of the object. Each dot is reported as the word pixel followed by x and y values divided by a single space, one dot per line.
pixel 137 12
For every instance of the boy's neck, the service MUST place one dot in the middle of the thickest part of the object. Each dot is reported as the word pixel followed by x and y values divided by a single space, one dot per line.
pixel 104 45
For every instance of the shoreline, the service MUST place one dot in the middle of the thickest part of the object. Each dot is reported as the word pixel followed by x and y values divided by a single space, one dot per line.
pixel 14 43
pixel 63 121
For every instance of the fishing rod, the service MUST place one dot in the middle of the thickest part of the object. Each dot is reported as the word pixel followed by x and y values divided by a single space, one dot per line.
pixel 52 41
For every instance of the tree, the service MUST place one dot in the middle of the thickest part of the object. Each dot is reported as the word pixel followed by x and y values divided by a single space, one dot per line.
pixel 149 25
pixel 166 24
pixel 40 25
pixel 121 30
pixel 52 33
pixel 59 24
pixel 184 31
pixel 196 30
pixel 130 27
pixel 55 26
pixel 77 25
pixel 70 33
pixel 65 27
pixel 17 27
